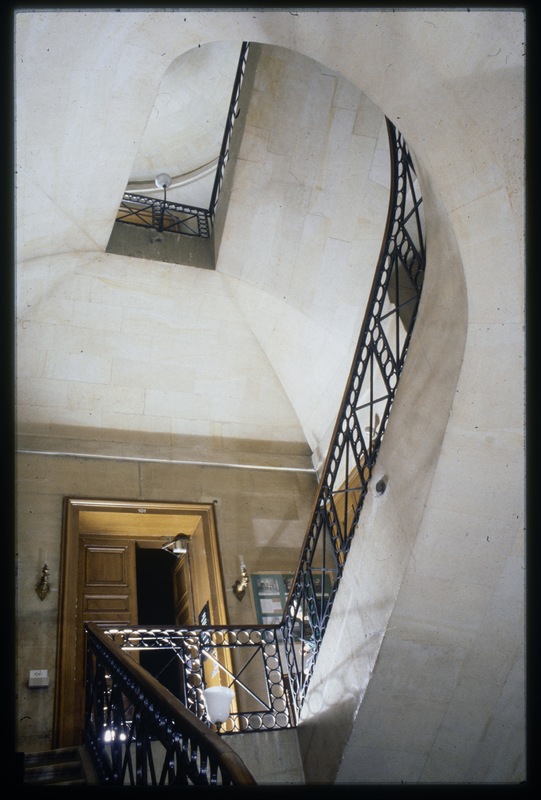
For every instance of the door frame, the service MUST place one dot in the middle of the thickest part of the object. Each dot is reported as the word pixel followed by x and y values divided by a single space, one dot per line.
pixel 151 522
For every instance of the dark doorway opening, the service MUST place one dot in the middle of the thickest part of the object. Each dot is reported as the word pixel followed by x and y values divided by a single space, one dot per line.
pixel 155 603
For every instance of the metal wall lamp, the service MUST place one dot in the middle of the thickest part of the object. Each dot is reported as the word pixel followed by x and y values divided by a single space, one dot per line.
pixel 241 584
pixel 177 546
pixel 43 586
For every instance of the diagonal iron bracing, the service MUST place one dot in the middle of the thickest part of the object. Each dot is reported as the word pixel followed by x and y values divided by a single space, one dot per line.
pixel 248 659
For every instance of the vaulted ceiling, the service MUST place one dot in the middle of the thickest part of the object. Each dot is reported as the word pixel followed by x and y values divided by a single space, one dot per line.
pixel 185 128
pixel 257 350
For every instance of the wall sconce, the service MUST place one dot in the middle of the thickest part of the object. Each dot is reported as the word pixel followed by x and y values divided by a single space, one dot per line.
pixel 177 546
pixel 218 702
pixel 42 586
pixel 241 584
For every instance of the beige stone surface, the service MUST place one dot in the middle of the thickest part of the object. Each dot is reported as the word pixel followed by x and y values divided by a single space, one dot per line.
pixel 118 358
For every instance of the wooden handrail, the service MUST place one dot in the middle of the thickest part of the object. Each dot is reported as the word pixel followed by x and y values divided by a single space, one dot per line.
pixel 174 710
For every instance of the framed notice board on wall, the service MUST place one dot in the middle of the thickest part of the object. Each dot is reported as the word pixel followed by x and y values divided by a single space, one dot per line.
pixel 270 591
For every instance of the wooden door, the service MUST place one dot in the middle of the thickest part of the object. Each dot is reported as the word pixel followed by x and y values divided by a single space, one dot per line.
pixel 199 562
pixel 182 592
pixel 217 665
pixel 99 583
pixel 106 592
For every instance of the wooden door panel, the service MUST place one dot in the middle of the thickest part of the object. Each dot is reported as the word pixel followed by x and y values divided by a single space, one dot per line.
pixel 199 573
pixel 107 581
pixel 106 565
pixel 100 607
pixel 182 592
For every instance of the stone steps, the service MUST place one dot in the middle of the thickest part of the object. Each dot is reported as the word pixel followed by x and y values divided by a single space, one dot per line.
pixel 67 766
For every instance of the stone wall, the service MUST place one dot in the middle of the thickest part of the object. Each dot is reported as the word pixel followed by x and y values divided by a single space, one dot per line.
pixel 261 513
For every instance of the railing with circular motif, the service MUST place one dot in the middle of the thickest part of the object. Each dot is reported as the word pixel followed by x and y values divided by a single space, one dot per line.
pixel 139 734
pixel 248 659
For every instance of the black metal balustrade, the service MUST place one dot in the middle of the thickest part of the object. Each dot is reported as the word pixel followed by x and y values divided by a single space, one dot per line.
pixel 373 380
pixel 246 659
pixel 162 214
pixel 140 735
pixel 270 667
pixel 232 115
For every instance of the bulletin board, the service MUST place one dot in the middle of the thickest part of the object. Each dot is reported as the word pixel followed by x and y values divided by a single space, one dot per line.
pixel 270 590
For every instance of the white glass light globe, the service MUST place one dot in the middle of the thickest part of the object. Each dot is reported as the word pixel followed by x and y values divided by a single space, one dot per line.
pixel 163 180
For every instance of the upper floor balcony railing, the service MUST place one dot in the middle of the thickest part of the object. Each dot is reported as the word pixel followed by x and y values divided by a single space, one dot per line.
pixel 270 667
pixel 248 659
pixel 164 215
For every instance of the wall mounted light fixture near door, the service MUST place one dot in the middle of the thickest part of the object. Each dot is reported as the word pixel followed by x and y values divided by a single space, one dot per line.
pixel 43 586
pixel 177 546
pixel 241 584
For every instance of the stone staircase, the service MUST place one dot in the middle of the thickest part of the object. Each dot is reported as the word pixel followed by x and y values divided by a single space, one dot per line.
pixel 68 766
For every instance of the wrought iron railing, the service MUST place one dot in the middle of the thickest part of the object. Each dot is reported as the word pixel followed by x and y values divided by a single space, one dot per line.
pixel 164 215
pixel 232 114
pixel 378 361
pixel 288 652
pixel 139 734
pixel 246 659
